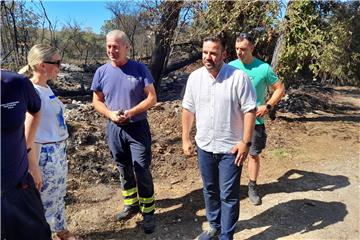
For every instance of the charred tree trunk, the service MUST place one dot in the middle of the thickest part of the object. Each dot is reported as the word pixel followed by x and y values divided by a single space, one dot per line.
pixel 279 42
pixel 12 37
pixel 163 39
pixel 177 65
pixel 275 57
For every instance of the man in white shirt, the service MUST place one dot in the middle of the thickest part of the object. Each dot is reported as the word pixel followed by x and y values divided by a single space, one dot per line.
pixel 223 102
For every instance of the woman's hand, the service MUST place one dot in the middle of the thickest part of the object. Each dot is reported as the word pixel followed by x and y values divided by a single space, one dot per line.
pixel 36 174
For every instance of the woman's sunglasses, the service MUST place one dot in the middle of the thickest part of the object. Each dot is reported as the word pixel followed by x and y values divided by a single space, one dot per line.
pixel 58 62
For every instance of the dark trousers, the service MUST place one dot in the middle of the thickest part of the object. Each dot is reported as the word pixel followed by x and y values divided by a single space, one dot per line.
pixel 130 147
pixel 22 214
pixel 221 180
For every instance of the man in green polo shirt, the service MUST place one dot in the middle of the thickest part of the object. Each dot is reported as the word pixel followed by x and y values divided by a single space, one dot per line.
pixel 262 76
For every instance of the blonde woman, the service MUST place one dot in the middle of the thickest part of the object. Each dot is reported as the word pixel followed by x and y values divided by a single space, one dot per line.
pixel 51 171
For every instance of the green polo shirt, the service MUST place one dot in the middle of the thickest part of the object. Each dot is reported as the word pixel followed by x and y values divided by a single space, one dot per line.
pixel 261 75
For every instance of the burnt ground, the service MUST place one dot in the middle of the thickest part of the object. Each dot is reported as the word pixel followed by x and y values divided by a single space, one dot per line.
pixel 309 177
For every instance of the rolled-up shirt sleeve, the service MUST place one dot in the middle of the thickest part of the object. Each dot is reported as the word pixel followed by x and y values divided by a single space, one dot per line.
pixel 188 101
pixel 247 97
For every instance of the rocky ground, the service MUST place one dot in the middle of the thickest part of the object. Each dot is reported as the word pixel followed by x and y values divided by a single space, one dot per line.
pixel 309 176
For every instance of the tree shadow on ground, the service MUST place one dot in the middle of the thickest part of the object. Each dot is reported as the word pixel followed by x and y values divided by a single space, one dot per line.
pixel 336 118
pixel 353 92
pixel 296 180
pixel 295 216
pixel 300 215
pixel 183 222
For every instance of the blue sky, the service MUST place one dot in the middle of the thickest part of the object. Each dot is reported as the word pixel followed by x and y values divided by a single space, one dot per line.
pixel 85 13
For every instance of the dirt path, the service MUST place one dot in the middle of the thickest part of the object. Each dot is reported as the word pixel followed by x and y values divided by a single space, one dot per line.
pixel 309 181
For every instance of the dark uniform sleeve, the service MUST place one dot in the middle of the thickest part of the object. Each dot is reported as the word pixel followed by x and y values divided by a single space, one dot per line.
pixel 32 98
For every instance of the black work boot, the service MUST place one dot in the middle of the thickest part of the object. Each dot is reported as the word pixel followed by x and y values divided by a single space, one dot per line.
pixel 253 193
pixel 149 223
pixel 128 212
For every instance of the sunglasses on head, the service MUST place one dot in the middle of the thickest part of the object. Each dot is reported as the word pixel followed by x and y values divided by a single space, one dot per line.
pixel 246 36
pixel 58 62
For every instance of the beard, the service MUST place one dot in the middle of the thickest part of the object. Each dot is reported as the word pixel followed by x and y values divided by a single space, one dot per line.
pixel 209 64
pixel 212 66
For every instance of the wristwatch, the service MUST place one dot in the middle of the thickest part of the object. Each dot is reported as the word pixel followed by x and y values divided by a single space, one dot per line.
pixel 247 143
pixel 269 107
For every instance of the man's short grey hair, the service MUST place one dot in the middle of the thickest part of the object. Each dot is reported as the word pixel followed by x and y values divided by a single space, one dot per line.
pixel 118 35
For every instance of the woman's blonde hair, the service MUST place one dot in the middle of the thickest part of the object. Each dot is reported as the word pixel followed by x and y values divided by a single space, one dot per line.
pixel 39 53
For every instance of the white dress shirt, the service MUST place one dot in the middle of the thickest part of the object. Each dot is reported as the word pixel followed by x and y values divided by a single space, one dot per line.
pixel 219 106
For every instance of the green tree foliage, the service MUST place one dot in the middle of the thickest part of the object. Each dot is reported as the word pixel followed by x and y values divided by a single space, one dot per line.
pixel 321 41
pixel 340 57
pixel 259 18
